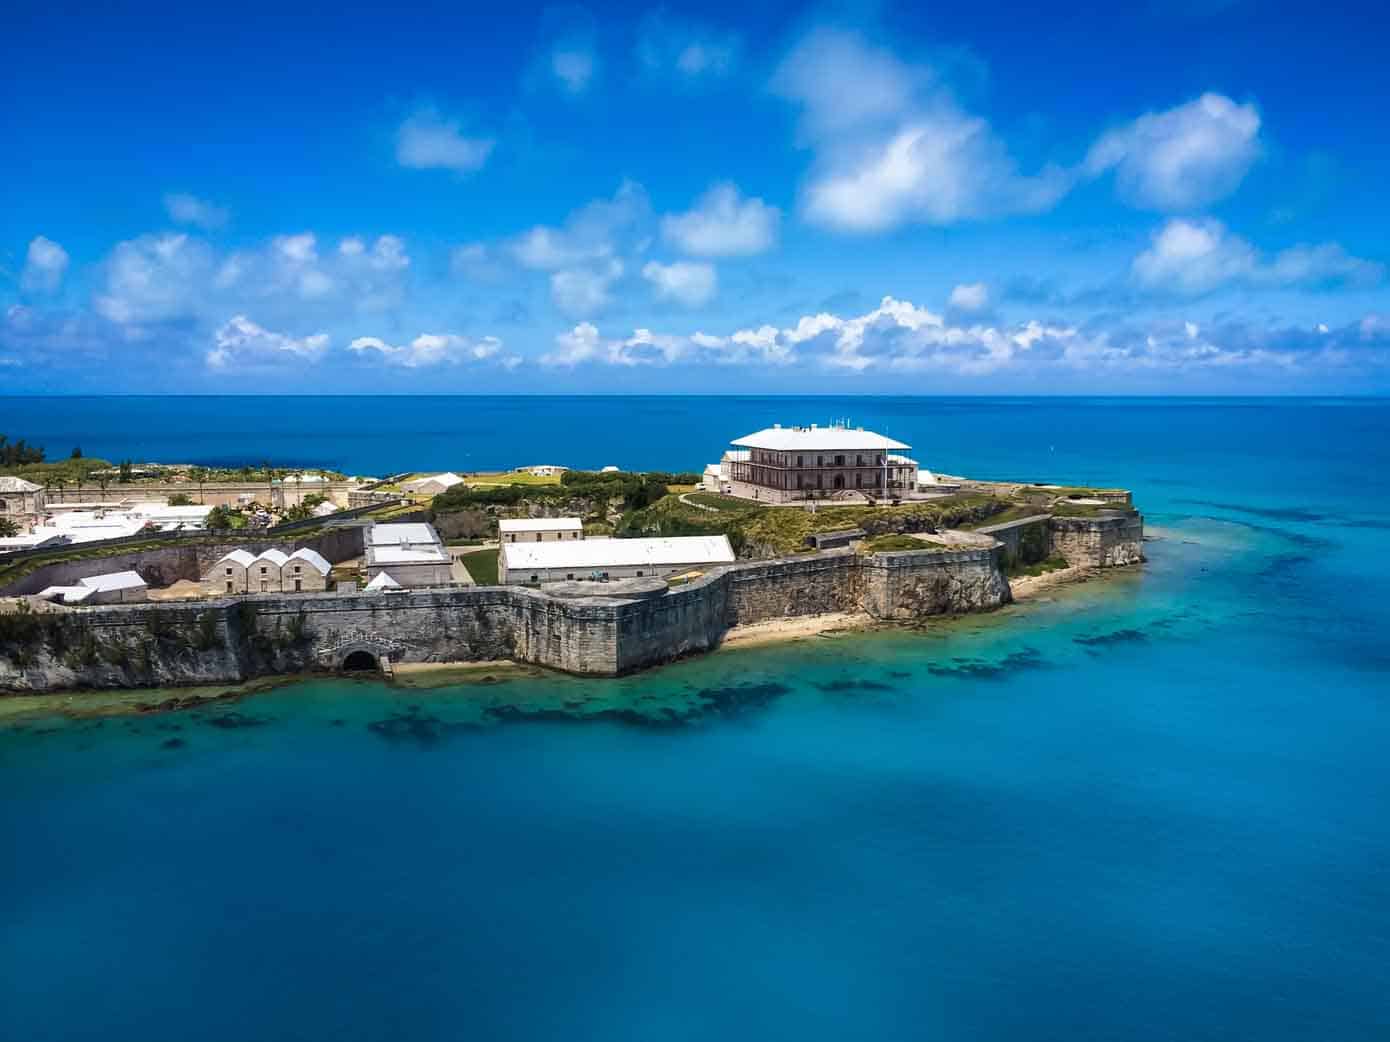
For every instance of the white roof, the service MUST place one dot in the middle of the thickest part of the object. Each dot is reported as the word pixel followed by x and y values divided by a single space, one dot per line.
pixel 712 469
pixel 540 524
pixel 409 555
pixel 448 480
pixel 382 582
pixel 275 557
pixel 596 554
pixel 13 484
pixel 241 557
pixel 313 557
pixel 412 534
pixel 822 439
pixel 114 581
pixel 25 542
pixel 70 594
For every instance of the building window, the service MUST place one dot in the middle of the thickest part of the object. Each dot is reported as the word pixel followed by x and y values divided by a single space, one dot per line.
pixel 569 575
pixel 839 461
pixel 262 569
pixel 296 569
pixel 639 574
pixel 298 585
pixel 538 537
pixel 229 571
pixel 535 578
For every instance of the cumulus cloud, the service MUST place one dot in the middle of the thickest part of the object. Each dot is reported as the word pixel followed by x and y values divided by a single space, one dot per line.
pixel 241 342
pixel 668 45
pixel 892 146
pixel 1184 158
pixel 969 296
pixel 45 263
pixel 585 291
pixel 598 230
pixel 685 282
pixel 573 63
pixel 1198 256
pixel 898 336
pixel 189 209
pixel 427 140
pixel 433 349
pixel 387 253
pixel 155 278
pixel 723 224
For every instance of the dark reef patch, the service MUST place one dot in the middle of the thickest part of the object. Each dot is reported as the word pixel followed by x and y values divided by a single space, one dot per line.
pixel 412 727
pixel 1269 513
pixel 1124 636
pixel 233 720
pixel 849 684
pixel 982 669
pixel 172 743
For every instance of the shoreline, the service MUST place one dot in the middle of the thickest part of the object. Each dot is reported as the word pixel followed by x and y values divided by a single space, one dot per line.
pixel 88 703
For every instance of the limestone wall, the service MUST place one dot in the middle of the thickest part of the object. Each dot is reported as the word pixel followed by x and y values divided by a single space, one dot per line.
pixel 1100 542
pixel 232 639
pixel 165 565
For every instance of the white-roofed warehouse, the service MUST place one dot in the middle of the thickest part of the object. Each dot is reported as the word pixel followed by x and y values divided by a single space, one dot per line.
pixel 610 558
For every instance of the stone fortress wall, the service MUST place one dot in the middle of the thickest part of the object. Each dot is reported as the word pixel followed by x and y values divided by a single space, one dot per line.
pixel 234 639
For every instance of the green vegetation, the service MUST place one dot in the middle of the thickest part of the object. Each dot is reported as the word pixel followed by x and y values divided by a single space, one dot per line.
pixel 18 452
pixel 1018 570
pixel 757 530
pixel 8 528
pixel 179 499
pixel 885 543
pixel 482 566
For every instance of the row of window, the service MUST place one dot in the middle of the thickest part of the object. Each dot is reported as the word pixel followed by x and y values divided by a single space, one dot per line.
pixel 779 459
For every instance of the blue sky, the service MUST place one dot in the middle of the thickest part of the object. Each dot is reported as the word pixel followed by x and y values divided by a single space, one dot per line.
pixel 1173 198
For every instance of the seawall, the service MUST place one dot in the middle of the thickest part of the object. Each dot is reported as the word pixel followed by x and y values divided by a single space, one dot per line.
pixel 236 639
pixel 228 640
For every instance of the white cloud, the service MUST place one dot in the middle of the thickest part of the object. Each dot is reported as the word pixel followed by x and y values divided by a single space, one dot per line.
pixel 240 342
pixel 685 282
pixel 892 145
pixel 585 291
pixel 1197 256
pixel 386 254
pixel 432 349
pixel 189 209
pixel 667 44
pixel 1187 157
pixel 155 278
pixel 573 63
pixel 45 263
pixel 722 224
pixel 427 141
pixel 598 230
pixel 969 296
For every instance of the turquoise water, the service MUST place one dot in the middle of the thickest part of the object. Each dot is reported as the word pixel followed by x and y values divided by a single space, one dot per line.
pixel 1149 808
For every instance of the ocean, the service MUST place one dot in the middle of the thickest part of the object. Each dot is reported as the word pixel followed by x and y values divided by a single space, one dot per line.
pixel 1145 808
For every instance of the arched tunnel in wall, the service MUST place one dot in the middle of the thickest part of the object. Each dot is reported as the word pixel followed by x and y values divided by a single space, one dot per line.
pixel 359 661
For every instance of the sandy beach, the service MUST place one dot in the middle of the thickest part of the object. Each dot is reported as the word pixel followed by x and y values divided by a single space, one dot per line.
pixel 793 629
pixel 1027 586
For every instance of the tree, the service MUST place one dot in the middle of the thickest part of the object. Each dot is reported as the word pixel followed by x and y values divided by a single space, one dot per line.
pixel 76 453
pixel 8 528
pixel 180 499
pixel 219 519
pixel 59 483
pixel 200 475
pixel 126 467
pixel 103 479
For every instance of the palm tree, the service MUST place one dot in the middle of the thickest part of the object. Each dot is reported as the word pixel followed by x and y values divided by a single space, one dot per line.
pixel 199 474
pixel 58 483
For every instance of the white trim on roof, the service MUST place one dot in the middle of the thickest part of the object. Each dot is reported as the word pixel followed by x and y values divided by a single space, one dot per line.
pixel 540 524
pixel 313 558
pixel 818 439
pixel 597 554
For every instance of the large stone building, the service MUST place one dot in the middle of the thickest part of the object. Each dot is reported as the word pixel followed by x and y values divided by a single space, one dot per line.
pixel 411 554
pixel 271 571
pixel 606 558
pixel 790 464
pixel 21 501
pixel 539 529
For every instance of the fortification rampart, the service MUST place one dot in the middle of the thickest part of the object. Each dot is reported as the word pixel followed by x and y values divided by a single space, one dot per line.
pixel 234 639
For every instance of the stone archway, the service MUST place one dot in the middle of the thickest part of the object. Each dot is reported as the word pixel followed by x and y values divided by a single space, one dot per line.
pixel 359 661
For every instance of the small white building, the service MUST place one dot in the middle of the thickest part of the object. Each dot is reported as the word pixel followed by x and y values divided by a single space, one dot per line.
pixel 166 518
pixel 412 554
pixel 601 559
pixel 543 470
pixel 109 588
pixel 432 484
pixel 32 541
pixel 539 529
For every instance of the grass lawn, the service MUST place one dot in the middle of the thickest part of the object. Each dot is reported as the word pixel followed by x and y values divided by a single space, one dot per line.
pixel 1051 564
pixel 719 501
pixel 482 566
pixel 511 477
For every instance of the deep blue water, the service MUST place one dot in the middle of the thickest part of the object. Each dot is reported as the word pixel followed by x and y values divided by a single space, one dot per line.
pixel 1147 809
